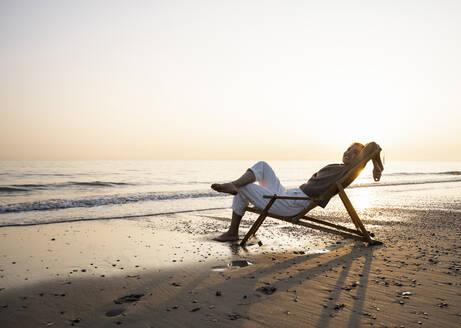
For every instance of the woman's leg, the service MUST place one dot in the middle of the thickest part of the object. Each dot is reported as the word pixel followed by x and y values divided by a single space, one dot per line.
pixel 267 178
pixel 253 193
pixel 233 233
pixel 269 183
pixel 260 172
pixel 239 205
pixel 231 187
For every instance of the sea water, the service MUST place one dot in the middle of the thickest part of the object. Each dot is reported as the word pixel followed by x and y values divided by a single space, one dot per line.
pixel 40 192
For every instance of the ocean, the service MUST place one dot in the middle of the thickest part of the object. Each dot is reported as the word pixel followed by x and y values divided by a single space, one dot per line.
pixel 42 192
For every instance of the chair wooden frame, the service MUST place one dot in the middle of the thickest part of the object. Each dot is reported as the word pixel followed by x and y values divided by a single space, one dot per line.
pixel 360 233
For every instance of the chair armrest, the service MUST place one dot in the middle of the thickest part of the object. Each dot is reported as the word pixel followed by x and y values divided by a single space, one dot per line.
pixel 290 197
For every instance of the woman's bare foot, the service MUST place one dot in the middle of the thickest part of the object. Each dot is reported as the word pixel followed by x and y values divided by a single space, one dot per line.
pixel 227 236
pixel 228 188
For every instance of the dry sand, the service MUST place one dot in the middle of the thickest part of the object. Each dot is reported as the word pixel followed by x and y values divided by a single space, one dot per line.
pixel 166 272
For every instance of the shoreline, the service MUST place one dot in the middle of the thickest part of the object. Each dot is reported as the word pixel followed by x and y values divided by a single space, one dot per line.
pixel 299 277
pixel 125 217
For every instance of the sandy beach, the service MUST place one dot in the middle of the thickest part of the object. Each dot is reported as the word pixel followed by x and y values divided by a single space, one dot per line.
pixel 132 131
pixel 167 272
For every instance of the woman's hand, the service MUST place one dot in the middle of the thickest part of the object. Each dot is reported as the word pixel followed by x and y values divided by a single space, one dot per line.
pixel 377 173
pixel 378 166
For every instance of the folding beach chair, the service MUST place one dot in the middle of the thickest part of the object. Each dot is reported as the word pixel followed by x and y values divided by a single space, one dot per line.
pixel 360 233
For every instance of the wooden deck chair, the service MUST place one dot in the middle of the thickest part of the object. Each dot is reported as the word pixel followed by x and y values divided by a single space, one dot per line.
pixel 360 233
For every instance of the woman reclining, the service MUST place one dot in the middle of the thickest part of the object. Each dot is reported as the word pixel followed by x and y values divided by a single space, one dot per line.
pixel 245 191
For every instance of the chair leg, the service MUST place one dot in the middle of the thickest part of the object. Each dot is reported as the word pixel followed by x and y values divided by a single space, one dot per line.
pixel 353 214
pixel 258 222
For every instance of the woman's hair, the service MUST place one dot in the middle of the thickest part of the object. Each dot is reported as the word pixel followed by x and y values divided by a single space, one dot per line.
pixel 358 144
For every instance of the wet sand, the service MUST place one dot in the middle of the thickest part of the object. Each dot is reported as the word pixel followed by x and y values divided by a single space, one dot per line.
pixel 167 272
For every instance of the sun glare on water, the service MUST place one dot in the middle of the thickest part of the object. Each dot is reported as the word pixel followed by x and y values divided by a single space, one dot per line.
pixel 363 199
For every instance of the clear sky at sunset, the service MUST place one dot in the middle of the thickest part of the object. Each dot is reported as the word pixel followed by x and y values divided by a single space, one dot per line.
pixel 168 79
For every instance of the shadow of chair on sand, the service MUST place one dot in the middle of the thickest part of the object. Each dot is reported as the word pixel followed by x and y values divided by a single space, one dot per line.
pixel 344 261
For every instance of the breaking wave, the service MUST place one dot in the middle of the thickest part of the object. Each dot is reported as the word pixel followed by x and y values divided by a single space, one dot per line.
pixel 56 204
pixel 15 188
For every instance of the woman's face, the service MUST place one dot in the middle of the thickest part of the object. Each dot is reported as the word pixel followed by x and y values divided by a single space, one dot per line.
pixel 350 153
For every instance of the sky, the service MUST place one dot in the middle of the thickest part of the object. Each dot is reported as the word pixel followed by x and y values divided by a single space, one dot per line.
pixel 253 79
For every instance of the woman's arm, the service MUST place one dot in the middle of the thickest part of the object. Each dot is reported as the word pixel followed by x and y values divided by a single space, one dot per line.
pixel 378 166
pixel 370 148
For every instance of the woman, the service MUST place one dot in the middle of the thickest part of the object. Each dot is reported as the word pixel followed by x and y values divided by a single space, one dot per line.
pixel 245 191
